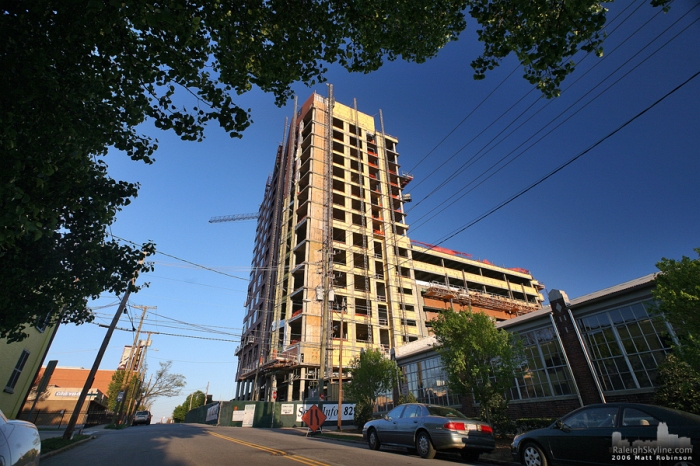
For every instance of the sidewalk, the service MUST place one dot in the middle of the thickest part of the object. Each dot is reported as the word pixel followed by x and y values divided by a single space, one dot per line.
pixel 51 431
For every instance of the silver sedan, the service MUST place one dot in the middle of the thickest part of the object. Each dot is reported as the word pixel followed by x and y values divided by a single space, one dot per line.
pixel 429 429
pixel 20 443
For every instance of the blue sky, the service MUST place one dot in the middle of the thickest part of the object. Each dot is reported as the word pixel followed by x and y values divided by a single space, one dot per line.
pixel 606 218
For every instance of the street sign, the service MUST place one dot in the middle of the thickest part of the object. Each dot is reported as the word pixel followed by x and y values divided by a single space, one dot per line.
pixel 314 418
pixel 274 395
pixel 120 396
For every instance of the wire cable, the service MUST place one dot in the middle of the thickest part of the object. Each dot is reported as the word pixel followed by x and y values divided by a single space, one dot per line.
pixel 185 260
pixel 485 172
pixel 567 163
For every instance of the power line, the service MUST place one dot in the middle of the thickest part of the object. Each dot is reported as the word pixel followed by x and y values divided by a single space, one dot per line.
pixel 414 186
pixel 445 207
pixel 169 334
pixel 463 120
pixel 567 163
pixel 196 362
pixel 187 325
pixel 185 261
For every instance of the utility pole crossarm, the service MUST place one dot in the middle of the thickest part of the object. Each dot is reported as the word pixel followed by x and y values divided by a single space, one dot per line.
pixel 234 218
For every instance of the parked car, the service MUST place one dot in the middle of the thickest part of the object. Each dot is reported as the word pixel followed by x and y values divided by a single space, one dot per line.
pixel 20 443
pixel 614 434
pixel 429 429
pixel 141 417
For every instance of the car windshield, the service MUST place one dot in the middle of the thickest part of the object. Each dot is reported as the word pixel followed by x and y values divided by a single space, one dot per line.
pixel 142 413
pixel 445 412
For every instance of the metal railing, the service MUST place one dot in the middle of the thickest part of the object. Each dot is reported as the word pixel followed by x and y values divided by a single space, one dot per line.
pixel 59 419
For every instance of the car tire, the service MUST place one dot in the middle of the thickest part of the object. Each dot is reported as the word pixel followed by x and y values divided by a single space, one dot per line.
pixel 469 455
pixel 533 455
pixel 373 439
pixel 424 446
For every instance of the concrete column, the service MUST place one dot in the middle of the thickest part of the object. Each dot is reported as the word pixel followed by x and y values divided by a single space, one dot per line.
pixel 302 384
pixel 272 388
pixel 290 387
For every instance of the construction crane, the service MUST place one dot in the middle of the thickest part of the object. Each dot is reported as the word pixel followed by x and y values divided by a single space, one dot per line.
pixel 234 218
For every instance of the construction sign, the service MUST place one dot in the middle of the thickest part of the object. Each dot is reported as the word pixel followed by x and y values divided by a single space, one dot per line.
pixel 314 418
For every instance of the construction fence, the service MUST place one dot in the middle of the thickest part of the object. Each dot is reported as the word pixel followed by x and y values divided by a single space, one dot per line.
pixel 268 414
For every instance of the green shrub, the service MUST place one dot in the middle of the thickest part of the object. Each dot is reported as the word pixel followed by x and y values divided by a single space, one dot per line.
pixel 531 423
pixel 495 412
pixel 363 414
pixel 679 385
pixel 410 398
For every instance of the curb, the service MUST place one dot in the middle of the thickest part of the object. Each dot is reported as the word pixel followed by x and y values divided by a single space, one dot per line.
pixel 67 447
pixel 360 441
pixel 341 439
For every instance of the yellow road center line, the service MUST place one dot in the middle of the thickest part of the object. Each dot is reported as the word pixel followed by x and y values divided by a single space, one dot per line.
pixel 297 458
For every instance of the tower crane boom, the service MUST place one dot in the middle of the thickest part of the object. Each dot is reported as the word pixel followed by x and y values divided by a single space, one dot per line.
pixel 234 218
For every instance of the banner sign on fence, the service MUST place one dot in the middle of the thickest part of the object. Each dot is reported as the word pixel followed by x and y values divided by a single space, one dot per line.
pixel 287 409
pixel 237 415
pixel 212 413
pixel 330 410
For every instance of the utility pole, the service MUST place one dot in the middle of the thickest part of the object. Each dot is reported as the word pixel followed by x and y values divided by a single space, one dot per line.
pixel 327 243
pixel 68 433
pixel 340 368
pixel 130 364
pixel 136 396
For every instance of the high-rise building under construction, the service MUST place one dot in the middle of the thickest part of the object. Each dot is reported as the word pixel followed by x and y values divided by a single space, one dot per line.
pixel 333 266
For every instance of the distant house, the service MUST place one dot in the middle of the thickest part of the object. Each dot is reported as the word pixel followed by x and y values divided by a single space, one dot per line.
pixel 19 365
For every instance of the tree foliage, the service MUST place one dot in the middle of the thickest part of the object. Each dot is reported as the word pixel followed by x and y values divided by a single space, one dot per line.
pixel 477 357
pixel 79 77
pixel 544 35
pixel 115 386
pixel 409 398
pixel 193 400
pixel 372 374
pixel 677 292
pixel 162 383
pixel 678 385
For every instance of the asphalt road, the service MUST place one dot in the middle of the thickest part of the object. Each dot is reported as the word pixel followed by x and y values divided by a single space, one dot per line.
pixel 190 445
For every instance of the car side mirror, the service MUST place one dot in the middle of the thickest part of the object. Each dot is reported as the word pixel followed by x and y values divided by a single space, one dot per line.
pixel 561 426
pixel 386 418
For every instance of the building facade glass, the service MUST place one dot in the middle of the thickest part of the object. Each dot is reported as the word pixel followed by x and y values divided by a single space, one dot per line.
pixel 626 345
pixel 427 381
pixel 546 373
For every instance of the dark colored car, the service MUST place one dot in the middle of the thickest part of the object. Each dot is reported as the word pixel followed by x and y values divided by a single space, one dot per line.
pixel 613 434
pixel 429 429
pixel 19 443
pixel 141 417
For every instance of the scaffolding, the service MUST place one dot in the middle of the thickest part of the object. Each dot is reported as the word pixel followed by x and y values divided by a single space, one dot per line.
pixel 481 299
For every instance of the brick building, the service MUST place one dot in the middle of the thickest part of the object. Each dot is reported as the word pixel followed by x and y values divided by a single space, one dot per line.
pixel 601 347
